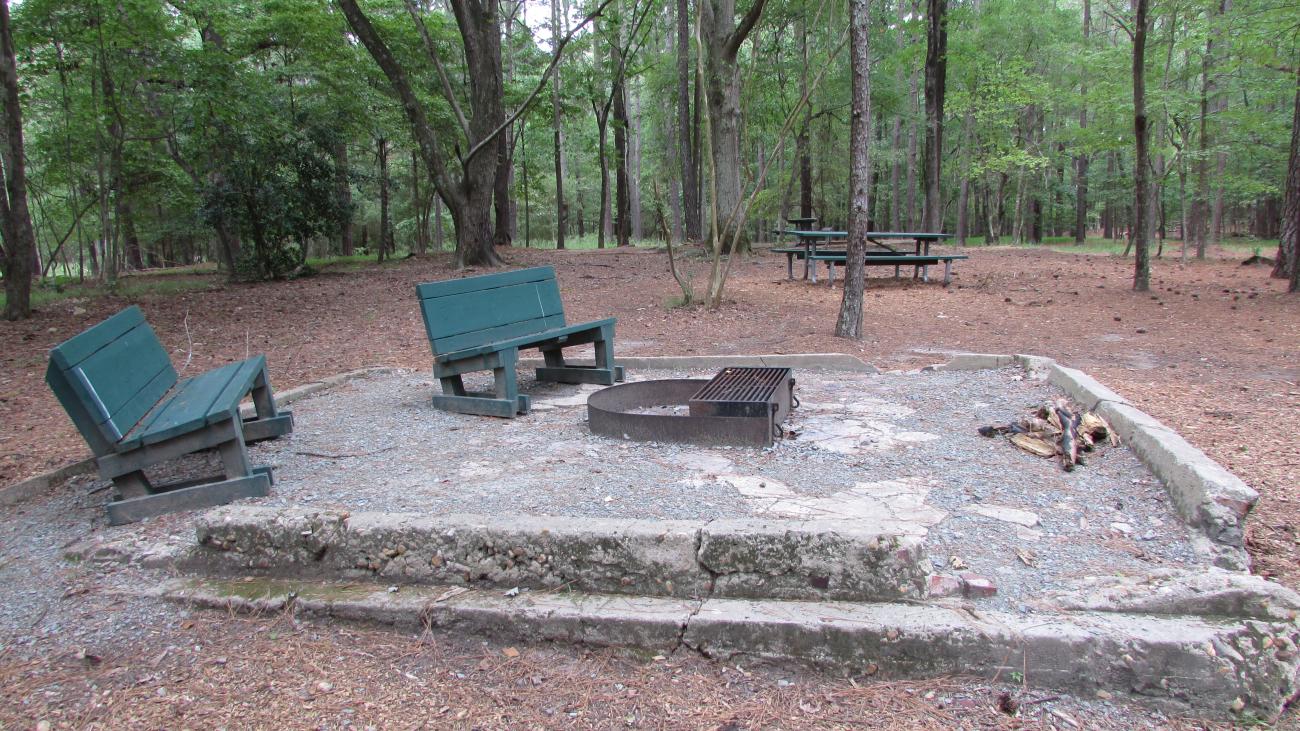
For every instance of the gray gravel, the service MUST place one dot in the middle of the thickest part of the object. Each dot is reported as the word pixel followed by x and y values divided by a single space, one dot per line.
pixel 377 444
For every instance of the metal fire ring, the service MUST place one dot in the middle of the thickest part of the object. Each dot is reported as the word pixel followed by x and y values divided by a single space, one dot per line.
pixel 610 413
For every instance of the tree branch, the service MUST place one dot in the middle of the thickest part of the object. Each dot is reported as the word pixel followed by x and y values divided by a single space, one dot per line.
pixel 429 48
pixel 741 32
pixel 422 130
pixel 541 83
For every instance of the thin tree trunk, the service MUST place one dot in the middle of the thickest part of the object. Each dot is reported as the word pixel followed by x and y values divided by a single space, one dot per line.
pixel 343 191
pixel 849 324
pixel 561 207
pixel 1288 246
pixel 936 74
pixel 1142 263
pixel 634 162
pixel 385 222
pixel 801 145
pixel 16 226
pixel 1081 160
pixel 689 169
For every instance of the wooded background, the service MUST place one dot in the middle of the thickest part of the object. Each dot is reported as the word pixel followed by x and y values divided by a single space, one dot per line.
pixel 259 134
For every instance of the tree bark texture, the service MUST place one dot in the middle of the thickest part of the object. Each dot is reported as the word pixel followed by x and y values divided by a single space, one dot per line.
pixel 936 75
pixel 1288 247
pixel 561 208
pixel 1081 160
pixel 19 237
pixel 722 38
pixel 689 179
pixel 849 324
pixel 1141 256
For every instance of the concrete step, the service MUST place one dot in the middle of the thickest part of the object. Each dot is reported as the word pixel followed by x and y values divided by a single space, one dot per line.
pixel 679 559
pixel 1223 668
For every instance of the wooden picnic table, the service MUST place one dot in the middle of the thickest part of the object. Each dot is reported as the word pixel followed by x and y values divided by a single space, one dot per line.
pixel 807 241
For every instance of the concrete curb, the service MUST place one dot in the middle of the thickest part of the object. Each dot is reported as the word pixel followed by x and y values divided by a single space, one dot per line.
pixel 814 361
pixel 1208 497
pixel 44 482
pixel 1215 668
pixel 683 559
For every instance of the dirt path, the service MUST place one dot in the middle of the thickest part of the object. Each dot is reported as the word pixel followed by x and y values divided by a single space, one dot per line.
pixel 1211 351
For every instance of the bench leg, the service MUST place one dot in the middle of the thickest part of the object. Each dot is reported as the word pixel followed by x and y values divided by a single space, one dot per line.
pixel 947 272
pixel 268 422
pixel 604 372
pixel 188 498
pixel 241 480
pixel 133 484
pixel 789 267
pixel 504 401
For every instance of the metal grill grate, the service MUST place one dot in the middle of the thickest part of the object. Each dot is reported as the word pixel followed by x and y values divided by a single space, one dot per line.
pixel 743 385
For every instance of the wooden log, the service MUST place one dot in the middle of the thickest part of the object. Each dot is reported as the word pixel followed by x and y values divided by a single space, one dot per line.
pixel 1069 421
pixel 1034 444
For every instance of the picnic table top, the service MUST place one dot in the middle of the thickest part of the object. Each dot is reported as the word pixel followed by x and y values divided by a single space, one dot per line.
pixel 811 234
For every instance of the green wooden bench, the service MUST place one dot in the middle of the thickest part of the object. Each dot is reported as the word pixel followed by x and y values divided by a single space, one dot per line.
pixel 481 323
pixel 118 386
pixel 875 259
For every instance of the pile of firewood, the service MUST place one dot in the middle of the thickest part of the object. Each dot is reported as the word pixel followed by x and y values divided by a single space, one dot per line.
pixel 1057 428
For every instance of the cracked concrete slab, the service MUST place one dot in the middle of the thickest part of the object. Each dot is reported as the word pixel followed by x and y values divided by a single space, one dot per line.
pixel 1214 668
pixel 788 559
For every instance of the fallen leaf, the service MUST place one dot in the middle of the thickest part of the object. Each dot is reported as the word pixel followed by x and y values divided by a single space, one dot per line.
pixel 510 652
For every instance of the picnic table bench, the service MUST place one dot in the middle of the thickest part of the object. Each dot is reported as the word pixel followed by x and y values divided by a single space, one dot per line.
pixel 875 259
pixel 808 242
pixel 481 323
pixel 117 384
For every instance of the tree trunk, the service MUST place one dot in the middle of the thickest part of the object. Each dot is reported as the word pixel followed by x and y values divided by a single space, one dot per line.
pixel 419 207
pixel 1288 247
pixel 343 191
pixel 801 146
pixel 385 245
pixel 849 324
pixel 622 210
pixel 1081 160
pixel 722 38
pixel 19 237
pixel 503 231
pixel 468 195
pixel 634 163
pixel 689 180
pixel 561 208
pixel 936 73
pixel 1141 257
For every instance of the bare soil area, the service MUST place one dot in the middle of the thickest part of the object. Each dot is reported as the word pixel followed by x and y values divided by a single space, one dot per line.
pixel 1211 351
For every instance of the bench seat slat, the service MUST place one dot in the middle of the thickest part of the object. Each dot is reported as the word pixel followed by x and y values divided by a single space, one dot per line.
pixel 523 341
pixel 199 401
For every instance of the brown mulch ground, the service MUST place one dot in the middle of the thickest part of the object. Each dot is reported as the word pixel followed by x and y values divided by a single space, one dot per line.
pixel 1212 351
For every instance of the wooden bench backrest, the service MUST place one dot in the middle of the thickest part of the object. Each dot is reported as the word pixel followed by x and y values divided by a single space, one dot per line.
pixel 110 376
pixel 475 311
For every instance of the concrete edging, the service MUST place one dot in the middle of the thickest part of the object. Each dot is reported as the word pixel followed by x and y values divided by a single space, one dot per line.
pixel 671 558
pixel 1205 494
pixel 1211 667
pixel 44 482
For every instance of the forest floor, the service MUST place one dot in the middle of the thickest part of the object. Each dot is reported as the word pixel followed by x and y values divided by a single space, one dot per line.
pixel 1211 350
